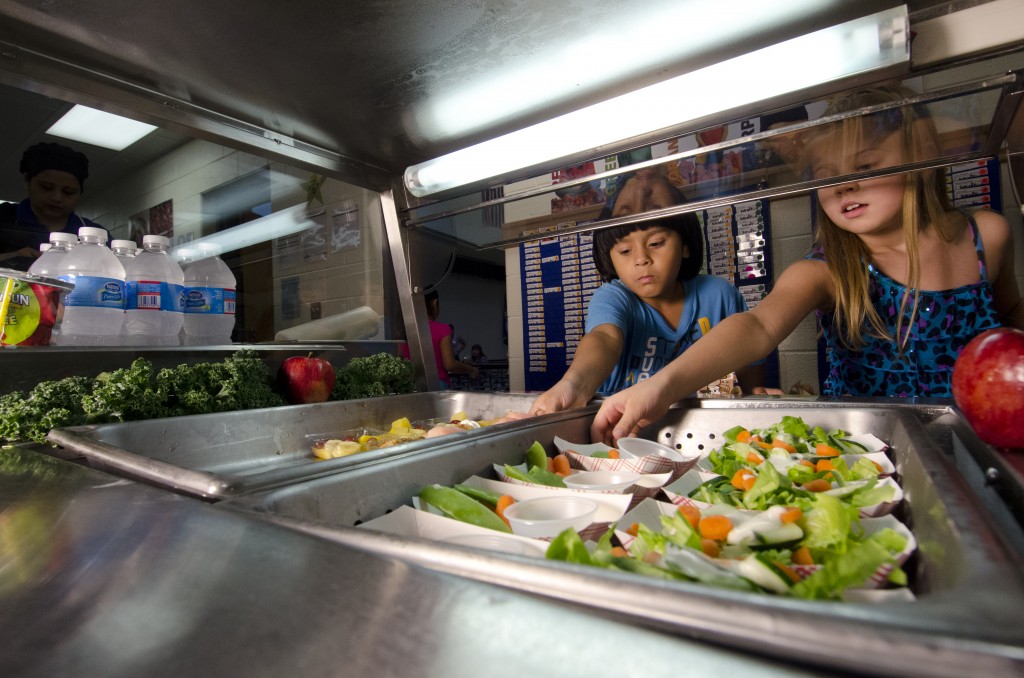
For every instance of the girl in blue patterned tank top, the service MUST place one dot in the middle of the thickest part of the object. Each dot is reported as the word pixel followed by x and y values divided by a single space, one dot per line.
pixel 898 279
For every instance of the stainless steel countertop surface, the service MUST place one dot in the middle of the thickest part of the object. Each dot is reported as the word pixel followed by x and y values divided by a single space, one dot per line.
pixel 101 576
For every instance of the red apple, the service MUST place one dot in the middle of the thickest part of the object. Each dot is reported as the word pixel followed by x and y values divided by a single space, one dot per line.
pixel 305 379
pixel 988 385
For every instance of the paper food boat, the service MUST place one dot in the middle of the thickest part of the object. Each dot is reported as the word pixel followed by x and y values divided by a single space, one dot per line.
pixel 649 513
pixel 581 457
pixel 678 492
pixel 406 521
pixel 632 495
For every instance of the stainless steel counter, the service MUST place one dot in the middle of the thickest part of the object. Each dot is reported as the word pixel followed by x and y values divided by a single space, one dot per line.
pixel 102 576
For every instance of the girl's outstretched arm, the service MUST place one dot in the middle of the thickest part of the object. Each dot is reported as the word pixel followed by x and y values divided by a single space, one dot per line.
pixel 733 343
pixel 595 357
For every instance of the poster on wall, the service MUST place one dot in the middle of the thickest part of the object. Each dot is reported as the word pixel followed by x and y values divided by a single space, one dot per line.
pixel 157 220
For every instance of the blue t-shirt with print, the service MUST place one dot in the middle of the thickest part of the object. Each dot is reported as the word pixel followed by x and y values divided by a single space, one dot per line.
pixel 649 343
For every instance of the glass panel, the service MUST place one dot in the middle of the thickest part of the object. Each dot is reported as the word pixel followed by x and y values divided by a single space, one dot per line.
pixel 783 152
pixel 300 246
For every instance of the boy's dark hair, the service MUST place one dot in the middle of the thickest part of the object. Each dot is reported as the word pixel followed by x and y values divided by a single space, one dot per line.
pixel 686 225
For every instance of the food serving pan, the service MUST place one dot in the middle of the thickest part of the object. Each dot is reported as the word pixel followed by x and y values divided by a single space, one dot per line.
pixel 966 575
pixel 213 456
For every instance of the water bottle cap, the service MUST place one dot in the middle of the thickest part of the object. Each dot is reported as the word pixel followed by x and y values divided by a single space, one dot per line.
pixel 92 232
pixel 209 249
pixel 60 236
pixel 155 240
pixel 123 245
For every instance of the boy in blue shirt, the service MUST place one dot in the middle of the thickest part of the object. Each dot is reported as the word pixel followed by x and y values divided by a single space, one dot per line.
pixel 653 306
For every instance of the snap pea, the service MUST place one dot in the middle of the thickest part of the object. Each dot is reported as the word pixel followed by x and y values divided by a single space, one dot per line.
pixel 542 476
pixel 481 495
pixel 516 474
pixel 537 476
pixel 459 506
pixel 536 456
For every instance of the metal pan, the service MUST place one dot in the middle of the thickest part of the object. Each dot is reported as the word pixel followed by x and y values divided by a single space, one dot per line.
pixel 966 574
pixel 214 456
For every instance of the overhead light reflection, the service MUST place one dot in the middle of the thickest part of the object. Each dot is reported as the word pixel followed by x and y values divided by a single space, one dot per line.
pixel 623 51
pixel 855 47
pixel 275 225
pixel 99 128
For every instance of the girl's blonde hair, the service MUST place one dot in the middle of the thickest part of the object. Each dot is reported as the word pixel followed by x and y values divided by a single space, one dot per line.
pixel 924 202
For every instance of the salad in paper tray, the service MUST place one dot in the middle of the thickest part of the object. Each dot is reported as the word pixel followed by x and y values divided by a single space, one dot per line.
pixel 769 527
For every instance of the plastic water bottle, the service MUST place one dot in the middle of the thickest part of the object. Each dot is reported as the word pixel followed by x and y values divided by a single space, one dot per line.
pixel 124 250
pixel 209 299
pixel 47 265
pixel 184 256
pixel 94 310
pixel 153 310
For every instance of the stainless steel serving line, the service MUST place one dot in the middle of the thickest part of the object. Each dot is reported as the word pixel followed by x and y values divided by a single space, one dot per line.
pixel 102 577
pixel 966 574
pixel 225 454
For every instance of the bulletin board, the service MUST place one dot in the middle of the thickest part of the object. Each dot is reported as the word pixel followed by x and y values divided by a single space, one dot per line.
pixel 558 280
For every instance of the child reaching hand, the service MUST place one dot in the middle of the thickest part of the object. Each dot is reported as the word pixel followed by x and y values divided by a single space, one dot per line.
pixel 653 305
pixel 899 281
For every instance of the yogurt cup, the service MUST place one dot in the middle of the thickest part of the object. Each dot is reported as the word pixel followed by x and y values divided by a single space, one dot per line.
pixel 30 307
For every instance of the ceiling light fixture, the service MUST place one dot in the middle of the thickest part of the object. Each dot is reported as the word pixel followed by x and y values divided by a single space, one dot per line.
pixel 877 41
pixel 99 128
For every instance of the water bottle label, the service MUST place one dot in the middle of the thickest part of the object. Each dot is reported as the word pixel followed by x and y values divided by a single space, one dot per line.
pixel 96 292
pixel 152 295
pixel 172 297
pixel 210 301
pixel 143 295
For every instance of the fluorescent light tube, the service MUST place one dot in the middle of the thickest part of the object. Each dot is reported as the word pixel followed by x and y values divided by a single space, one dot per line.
pixel 99 128
pixel 858 46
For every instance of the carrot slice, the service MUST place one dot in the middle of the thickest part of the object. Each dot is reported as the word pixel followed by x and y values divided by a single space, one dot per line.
pixel 633 530
pixel 619 552
pixel 561 464
pixel 714 527
pixel 802 556
pixel 691 513
pixel 551 464
pixel 786 570
pixel 743 436
pixel 817 485
pixel 762 444
pixel 806 462
pixel 791 515
pixel 503 503
pixel 877 465
pixel 824 465
pixel 710 548
pixel 823 450
pixel 743 479
pixel 613 454
pixel 755 458
pixel 784 445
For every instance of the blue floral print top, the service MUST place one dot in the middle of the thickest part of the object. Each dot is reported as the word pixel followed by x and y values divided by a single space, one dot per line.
pixel 946 321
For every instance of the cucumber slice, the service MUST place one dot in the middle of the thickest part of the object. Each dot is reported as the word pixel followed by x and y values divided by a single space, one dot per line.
pixel 763 572
pixel 788 532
